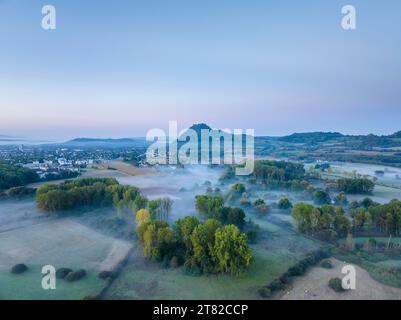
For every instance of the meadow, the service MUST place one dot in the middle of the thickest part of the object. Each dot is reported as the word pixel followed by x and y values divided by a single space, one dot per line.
pixel 60 243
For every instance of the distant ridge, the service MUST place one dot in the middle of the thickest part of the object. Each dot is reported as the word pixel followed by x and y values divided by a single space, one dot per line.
pixel 311 137
pixel 98 140
pixel 396 135
pixel 108 142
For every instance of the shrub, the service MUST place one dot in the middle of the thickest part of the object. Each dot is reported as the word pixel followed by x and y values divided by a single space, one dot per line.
pixel 296 270
pixel 276 285
pixel 19 268
pixel 284 204
pixel 62 272
pixel 76 275
pixel 327 264
pixel 259 202
pixel 107 275
pixel 336 285
pixel 265 292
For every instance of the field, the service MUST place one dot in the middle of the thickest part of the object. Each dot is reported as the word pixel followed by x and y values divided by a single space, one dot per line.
pixel 278 250
pixel 61 243
pixel 386 189
pixel 126 168
pixel 143 279
pixel 313 286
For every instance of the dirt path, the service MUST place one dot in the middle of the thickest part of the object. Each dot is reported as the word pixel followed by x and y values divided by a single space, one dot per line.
pixel 313 286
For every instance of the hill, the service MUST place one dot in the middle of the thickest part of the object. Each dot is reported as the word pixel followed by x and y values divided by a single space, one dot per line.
pixel 94 142
pixel 311 137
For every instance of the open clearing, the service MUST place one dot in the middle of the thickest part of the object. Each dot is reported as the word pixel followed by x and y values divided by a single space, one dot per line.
pixel 313 286
pixel 128 168
pixel 61 243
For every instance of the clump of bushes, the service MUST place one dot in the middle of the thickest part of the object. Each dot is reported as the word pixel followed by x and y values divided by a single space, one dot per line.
pixel 326 264
pixel 336 284
pixel 265 292
pixel 20 192
pixel 62 272
pixel 107 275
pixel 75 275
pixel 284 204
pixel 19 268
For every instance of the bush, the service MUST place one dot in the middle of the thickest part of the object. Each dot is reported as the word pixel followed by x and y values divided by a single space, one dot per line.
pixel 76 275
pixel 326 264
pixel 19 268
pixel 284 204
pixel 336 284
pixel 296 270
pixel 265 292
pixel 276 285
pixel 62 272
pixel 107 275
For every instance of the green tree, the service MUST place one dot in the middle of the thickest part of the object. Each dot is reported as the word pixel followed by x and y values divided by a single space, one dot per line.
pixel 321 197
pixel 208 205
pixel 284 204
pixel 202 240
pixel 231 250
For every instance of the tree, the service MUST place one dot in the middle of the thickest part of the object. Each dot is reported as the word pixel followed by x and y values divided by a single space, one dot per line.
pixel 16 176
pixel 165 208
pixel 183 229
pixel 231 250
pixel 321 197
pixel 235 216
pixel 140 202
pixel 142 216
pixel 202 240
pixel 208 205
pixel 326 223
pixel 355 185
pixel 158 240
pixel 153 206
pixel 284 204
pixel 341 199
pixel 301 212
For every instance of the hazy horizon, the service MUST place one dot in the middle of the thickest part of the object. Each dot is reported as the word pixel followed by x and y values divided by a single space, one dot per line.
pixel 118 69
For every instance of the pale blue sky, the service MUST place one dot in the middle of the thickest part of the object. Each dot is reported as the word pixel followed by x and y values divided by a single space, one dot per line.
pixel 120 68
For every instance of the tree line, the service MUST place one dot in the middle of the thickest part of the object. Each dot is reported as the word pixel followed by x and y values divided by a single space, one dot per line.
pixel 99 192
pixel 326 222
pixel 16 176
pixel 212 207
pixel 330 222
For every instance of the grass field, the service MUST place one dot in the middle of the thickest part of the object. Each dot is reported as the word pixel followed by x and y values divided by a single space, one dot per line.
pixel 278 250
pixel 61 243
pixel 143 279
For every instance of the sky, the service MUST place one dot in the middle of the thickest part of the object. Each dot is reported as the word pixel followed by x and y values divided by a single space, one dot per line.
pixel 120 68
